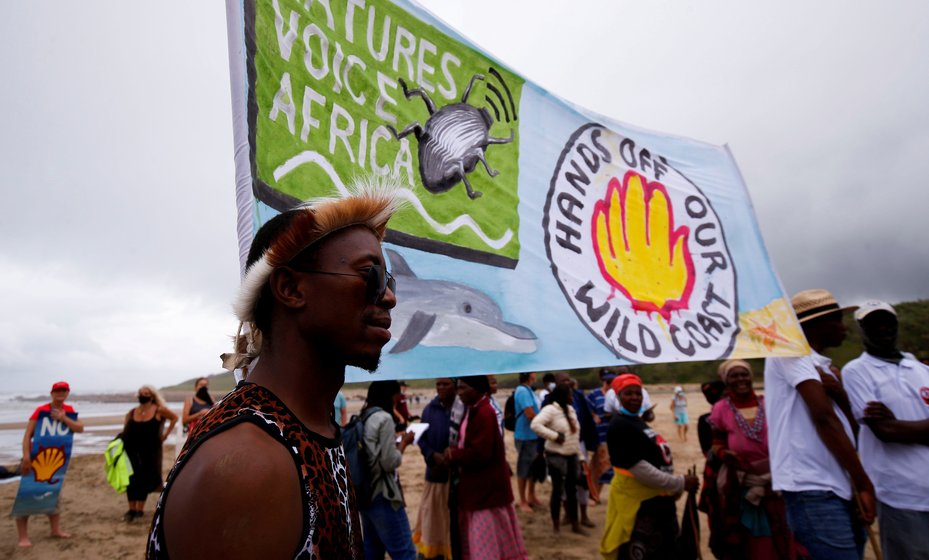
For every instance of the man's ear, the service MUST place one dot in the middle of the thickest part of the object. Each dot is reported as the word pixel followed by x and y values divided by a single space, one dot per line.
pixel 287 287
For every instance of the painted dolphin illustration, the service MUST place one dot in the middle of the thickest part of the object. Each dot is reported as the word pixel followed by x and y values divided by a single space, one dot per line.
pixel 440 313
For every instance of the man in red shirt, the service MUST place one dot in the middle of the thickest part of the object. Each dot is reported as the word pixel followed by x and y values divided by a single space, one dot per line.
pixel 58 411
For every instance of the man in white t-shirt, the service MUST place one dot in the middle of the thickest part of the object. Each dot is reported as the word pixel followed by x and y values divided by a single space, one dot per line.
pixel 804 399
pixel 889 394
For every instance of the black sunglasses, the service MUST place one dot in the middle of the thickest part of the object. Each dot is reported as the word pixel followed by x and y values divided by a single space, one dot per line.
pixel 377 280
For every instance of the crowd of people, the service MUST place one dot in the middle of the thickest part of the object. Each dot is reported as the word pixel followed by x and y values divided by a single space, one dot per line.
pixel 777 499
pixel 783 477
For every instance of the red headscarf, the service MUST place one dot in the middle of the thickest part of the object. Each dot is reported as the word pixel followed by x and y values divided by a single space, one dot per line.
pixel 625 380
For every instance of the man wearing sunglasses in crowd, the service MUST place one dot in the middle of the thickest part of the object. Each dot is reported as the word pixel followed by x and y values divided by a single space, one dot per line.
pixel 263 474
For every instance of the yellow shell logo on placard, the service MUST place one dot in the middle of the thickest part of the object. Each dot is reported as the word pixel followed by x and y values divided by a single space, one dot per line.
pixel 639 252
pixel 639 249
pixel 47 462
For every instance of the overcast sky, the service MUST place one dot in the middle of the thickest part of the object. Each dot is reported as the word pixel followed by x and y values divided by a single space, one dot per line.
pixel 118 251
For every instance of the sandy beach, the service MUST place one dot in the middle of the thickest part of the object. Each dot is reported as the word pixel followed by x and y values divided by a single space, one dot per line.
pixel 93 512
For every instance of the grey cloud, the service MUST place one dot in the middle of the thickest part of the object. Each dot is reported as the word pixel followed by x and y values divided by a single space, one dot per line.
pixel 118 236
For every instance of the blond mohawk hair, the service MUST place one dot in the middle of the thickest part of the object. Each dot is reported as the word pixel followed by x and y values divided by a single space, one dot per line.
pixel 369 201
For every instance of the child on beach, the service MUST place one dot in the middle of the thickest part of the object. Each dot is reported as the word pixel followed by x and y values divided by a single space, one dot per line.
pixel 679 408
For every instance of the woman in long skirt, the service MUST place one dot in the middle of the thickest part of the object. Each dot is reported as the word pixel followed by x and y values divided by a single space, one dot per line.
pixel 487 522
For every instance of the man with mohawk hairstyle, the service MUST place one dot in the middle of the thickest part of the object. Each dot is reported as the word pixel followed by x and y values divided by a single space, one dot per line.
pixel 263 474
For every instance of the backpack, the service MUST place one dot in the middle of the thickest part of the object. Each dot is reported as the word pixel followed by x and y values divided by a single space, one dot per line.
pixel 357 457
pixel 509 412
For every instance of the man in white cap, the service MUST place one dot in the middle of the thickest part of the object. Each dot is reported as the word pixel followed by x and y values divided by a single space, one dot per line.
pixel 889 394
pixel 818 476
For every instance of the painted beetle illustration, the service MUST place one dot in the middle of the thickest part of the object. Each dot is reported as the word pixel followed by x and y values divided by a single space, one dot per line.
pixel 453 141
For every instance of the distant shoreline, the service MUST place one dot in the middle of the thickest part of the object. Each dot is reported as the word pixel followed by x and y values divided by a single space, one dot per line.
pixel 124 397
pixel 355 400
pixel 93 421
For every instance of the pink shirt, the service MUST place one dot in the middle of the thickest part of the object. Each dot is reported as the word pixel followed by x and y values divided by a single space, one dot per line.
pixel 723 419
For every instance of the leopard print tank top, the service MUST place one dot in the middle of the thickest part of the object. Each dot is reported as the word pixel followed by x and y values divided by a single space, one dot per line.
pixel 331 523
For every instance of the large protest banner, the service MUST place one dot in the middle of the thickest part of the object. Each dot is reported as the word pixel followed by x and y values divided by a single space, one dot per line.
pixel 539 236
pixel 51 454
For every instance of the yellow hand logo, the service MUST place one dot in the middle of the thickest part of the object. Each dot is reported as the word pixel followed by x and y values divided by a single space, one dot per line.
pixel 638 250
pixel 47 462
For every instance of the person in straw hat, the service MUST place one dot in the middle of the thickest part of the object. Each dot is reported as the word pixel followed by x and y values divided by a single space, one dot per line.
pixel 889 394
pixel 818 476
pixel 263 474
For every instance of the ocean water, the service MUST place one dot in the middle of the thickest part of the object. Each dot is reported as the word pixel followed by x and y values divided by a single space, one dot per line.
pixel 93 440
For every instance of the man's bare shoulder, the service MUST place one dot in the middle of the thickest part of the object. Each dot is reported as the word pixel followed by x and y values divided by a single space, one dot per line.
pixel 238 454
pixel 237 485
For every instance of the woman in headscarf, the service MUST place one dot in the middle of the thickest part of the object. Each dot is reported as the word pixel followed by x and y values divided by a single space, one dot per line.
pixel 431 534
pixel 557 424
pixel 488 528
pixel 641 517
pixel 752 520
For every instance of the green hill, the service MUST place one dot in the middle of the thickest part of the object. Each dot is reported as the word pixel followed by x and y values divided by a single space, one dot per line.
pixel 220 383
pixel 914 337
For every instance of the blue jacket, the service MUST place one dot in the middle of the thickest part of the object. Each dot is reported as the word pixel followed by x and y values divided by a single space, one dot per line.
pixel 435 438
